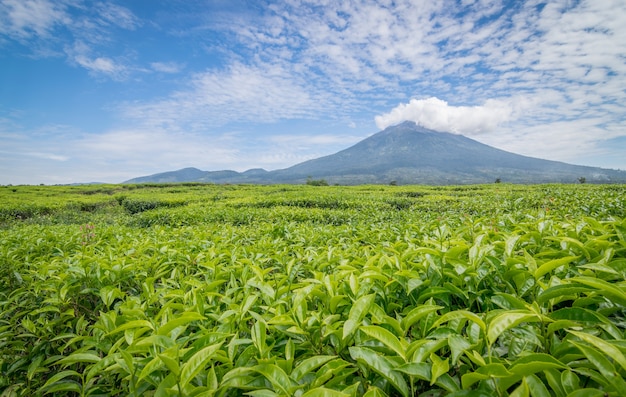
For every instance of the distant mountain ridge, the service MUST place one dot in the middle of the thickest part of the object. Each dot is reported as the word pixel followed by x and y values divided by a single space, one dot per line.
pixel 408 154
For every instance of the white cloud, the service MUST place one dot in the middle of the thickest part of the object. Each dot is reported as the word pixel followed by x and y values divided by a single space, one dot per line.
pixel 81 54
pixel 25 18
pixel 574 141
pixel 114 14
pixel 40 155
pixel 99 65
pixel 158 148
pixel 306 141
pixel 436 114
pixel 48 156
pixel 83 31
pixel 239 93
pixel 167 67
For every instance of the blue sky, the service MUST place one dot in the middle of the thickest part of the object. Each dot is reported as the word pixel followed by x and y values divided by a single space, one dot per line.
pixel 110 90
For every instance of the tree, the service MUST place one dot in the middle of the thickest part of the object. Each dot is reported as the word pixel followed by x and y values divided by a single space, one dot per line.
pixel 316 182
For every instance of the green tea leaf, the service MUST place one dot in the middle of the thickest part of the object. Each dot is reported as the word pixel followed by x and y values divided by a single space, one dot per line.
pixel 63 387
pixel 579 314
pixel 262 393
pixel 324 392
pixel 132 325
pixel 606 347
pixel 153 365
pixel 521 391
pixel 60 376
pixel 259 335
pixel 489 371
pixel 374 391
pixel 459 314
pixel 561 290
pixel 604 366
pixel 536 386
pixel 610 291
pixel 108 294
pixel 280 381
pixel 553 264
pixel 80 358
pixel 170 359
pixel 416 314
pixel 508 320
pixel 510 244
pixel 419 370
pixel 587 392
pixel 570 381
pixel 386 338
pixel 183 319
pixel 357 312
pixel 533 363
pixel 309 365
pixel 457 345
pixel 381 366
pixel 439 367
pixel 35 367
pixel 164 389
pixel 196 363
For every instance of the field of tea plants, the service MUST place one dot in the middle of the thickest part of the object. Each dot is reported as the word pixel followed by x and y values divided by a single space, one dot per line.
pixel 313 291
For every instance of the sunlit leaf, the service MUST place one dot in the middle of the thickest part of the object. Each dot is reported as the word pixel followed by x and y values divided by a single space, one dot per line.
pixel 386 338
pixel 183 319
pixel 357 312
pixel 610 291
pixel 277 377
pixel 324 392
pixel 309 365
pixel 507 320
pixel 553 264
pixel 439 367
pixel 80 358
pixel 416 314
pixel 381 366
pixel 196 363
pixel 606 347
pixel 604 366
pixel 489 371
pixel 460 314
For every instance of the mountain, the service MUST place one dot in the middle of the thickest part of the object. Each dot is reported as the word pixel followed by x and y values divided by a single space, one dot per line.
pixel 409 154
pixel 185 175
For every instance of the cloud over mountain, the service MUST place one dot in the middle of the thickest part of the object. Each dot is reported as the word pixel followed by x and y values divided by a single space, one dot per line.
pixel 436 114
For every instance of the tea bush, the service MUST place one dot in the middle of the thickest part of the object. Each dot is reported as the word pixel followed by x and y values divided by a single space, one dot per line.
pixel 314 291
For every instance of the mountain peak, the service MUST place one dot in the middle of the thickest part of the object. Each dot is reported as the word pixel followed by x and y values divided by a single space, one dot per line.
pixel 408 124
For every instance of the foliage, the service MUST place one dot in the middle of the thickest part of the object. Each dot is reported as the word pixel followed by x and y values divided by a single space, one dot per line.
pixel 316 182
pixel 313 291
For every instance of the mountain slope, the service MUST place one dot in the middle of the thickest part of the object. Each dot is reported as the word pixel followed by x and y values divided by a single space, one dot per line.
pixel 185 175
pixel 410 154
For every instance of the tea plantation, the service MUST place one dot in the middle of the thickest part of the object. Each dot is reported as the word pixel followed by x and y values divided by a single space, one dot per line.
pixel 313 291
